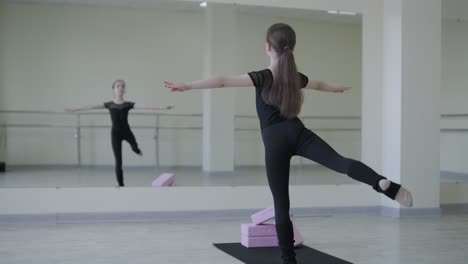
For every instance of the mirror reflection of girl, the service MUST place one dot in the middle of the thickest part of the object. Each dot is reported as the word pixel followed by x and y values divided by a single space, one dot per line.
pixel 278 101
pixel 118 109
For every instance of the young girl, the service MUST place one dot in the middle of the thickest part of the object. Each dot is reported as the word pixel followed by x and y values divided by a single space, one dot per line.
pixel 278 102
pixel 119 109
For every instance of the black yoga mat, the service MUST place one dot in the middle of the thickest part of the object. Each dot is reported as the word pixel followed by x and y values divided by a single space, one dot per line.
pixel 304 255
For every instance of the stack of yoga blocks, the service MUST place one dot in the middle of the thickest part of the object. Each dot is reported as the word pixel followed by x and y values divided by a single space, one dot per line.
pixel 260 233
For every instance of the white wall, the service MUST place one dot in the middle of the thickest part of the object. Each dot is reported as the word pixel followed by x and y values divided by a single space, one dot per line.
pixel 454 9
pixel 455 66
pixel 74 53
pixel 84 200
pixel 54 56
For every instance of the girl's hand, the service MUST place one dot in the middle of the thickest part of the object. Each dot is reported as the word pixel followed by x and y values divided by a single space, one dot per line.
pixel 340 89
pixel 177 87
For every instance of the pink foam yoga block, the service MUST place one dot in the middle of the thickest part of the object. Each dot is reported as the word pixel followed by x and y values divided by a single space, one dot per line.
pixel 263 216
pixel 252 242
pixel 270 241
pixel 252 230
pixel 265 236
pixel 165 179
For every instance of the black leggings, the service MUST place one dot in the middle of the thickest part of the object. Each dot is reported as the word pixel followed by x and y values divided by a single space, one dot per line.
pixel 287 139
pixel 117 138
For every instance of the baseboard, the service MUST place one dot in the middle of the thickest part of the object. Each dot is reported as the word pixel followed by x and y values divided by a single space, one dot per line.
pixel 407 212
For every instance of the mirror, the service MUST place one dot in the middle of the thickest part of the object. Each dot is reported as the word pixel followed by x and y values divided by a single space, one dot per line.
pixel 57 56
pixel 453 140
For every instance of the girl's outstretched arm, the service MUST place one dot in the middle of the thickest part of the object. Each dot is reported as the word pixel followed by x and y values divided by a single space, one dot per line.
pixel 214 82
pixel 145 107
pixel 86 108
pixel 322 86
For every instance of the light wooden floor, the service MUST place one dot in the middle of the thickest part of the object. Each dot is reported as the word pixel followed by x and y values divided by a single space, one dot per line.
pixel 363 239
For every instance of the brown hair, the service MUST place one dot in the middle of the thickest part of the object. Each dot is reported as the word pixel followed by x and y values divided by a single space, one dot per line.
pixel 118 81
pixel 285 92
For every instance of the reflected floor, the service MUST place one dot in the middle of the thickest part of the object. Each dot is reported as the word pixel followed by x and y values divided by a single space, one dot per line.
pixel 72 176
pixel 47 176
